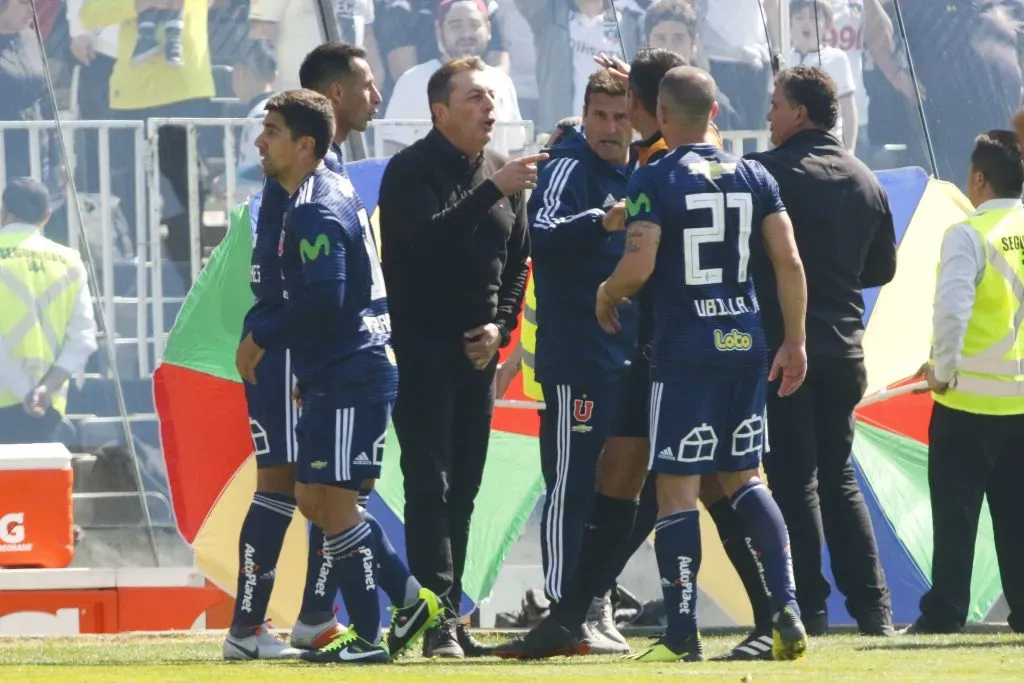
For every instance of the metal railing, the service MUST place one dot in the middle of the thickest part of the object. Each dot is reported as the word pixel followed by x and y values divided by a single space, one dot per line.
pixel 509 137
pixel 76 229
pixel 148 212
pixel 192 127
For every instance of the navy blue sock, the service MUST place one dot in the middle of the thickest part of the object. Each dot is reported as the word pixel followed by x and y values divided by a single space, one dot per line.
pixel 259 546
pixel 399 585
pixel 355 554
pixel 677 547
pixel 363 498
pixel 769 536
pixel 744 560
pixel 321 582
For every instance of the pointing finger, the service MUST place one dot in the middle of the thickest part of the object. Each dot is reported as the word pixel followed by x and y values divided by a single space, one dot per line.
pixel 533 158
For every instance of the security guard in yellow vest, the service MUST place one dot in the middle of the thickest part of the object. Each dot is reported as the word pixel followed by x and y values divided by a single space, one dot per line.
pixel 976 376
pixel 47 329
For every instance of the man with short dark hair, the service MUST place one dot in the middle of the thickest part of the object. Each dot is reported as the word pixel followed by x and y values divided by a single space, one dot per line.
pixel 336 325
pixel 690 219
pixel 625 508
pixel 339 72
pixel 576 236
pixel 844 230
pixel 977 383
pixel 455 247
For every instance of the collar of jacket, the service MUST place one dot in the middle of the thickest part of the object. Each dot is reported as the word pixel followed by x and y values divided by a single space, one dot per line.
pixel 812 137
pixel 450 155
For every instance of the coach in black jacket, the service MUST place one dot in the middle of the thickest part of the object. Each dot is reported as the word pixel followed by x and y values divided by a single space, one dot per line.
pixel 844 231
pixel 455 245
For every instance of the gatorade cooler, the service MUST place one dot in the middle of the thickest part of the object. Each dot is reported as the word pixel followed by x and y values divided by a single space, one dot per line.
pixel 36 512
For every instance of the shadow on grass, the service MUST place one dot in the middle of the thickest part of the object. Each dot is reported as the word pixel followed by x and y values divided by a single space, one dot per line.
pixel 957 645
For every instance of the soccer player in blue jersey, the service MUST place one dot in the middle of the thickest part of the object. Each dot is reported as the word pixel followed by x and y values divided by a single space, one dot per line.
pixel 342 74
pixel 337 326
pixel 690 219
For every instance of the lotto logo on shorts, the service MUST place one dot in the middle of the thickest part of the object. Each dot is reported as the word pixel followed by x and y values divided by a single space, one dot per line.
pixel 733 341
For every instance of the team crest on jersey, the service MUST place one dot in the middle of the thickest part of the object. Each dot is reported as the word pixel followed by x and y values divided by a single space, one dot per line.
pixel 582 411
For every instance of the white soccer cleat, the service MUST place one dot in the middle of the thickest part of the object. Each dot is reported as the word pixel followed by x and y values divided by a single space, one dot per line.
pixel 314 637
pixel 261 645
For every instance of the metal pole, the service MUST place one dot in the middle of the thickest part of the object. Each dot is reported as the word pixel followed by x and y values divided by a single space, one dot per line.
pixel 142 250
pixel 107 247
pixel 195 245
pixel 155 247
pixel 35 164
pixel 784 38
pixel 917 89
pixel 230 164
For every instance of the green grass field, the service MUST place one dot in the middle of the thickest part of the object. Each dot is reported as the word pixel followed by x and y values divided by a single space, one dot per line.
pixel 196 657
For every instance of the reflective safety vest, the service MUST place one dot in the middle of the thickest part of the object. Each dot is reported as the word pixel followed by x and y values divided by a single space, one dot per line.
pixel 40 281
pixel 990 376
pixel 528 343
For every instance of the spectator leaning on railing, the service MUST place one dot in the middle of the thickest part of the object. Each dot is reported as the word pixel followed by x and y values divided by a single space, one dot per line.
pixel 156 88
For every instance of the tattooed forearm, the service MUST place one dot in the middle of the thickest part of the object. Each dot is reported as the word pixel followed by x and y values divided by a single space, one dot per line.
pixel 641 235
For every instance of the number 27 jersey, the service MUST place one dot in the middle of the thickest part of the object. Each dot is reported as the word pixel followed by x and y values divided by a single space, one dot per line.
pixel 710 206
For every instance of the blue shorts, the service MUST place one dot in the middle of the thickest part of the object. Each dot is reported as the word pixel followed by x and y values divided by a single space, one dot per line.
pixel 340 444
pixel 708 426
pixel 272 413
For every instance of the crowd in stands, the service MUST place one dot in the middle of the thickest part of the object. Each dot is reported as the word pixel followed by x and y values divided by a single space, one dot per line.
pixel 135 59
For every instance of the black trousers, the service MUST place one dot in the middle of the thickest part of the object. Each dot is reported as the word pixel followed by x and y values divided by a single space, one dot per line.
pixel 442 417
pixel 811 476
pixel 971 456
pixel 18 427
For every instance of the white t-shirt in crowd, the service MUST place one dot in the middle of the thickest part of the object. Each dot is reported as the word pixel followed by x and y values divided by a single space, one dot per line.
pixel 734 31
pixel 409 101
pixel 589 37
pixel 522 53
pixel 848 36
pixel 298 30
pixel 837 65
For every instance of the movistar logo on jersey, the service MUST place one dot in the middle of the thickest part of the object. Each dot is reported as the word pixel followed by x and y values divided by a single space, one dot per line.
pixel 311 252
pixel 733 341
pixel 642 203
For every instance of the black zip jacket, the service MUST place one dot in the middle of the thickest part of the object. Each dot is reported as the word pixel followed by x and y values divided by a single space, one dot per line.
pixel 844 231
pixel 454 249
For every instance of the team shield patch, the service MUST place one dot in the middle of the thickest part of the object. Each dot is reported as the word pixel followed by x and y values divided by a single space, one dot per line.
pixel 582 411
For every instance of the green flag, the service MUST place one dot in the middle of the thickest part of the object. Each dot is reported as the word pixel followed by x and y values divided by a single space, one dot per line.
pixel 209 325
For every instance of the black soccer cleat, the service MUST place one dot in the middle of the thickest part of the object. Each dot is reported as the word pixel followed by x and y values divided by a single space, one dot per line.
pixel 409 623
pixel 443 641
pixel 788 635
pixel 349 648
pixel 471 647
pixel 756 646
pixel 666 650
pixel 547 639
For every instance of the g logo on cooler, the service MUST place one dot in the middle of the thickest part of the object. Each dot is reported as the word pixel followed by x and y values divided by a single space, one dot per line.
pixel 733 340
pixel 12 528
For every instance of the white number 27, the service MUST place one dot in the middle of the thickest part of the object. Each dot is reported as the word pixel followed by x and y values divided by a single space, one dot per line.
pixel 694 237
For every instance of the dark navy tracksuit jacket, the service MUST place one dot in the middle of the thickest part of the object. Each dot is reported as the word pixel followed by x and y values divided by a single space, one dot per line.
pixel 577 363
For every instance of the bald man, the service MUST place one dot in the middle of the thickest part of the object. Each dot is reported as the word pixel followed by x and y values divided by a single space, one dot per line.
pixel 709 369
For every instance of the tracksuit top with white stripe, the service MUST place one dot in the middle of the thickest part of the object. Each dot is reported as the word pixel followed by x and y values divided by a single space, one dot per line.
pixel 572 255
